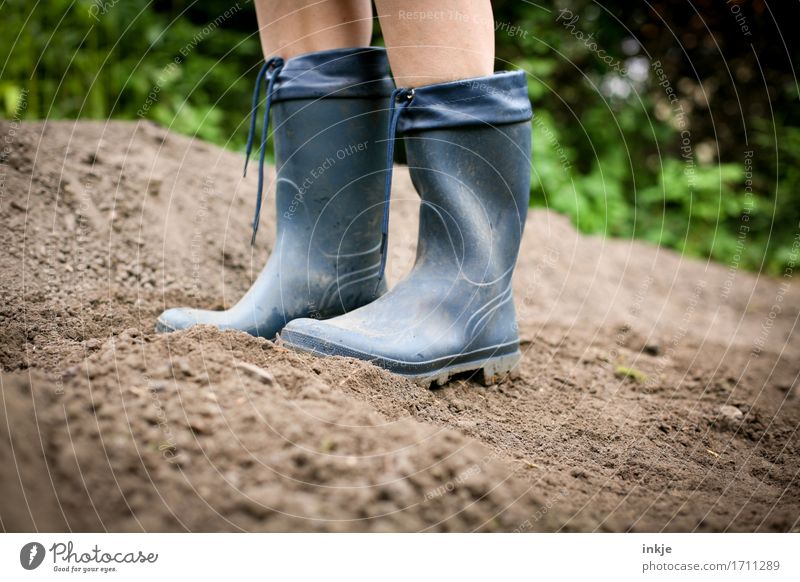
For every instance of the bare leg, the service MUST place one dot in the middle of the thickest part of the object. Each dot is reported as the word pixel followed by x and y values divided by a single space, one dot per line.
pixel 435 42
pixel 294 27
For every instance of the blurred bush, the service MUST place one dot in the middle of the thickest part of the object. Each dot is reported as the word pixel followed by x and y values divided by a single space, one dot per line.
pixel 187 65
pixel 669 121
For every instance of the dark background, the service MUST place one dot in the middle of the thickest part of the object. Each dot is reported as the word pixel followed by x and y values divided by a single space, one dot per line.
pixel 608 151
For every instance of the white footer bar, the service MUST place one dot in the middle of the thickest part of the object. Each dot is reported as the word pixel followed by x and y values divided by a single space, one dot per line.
pixel 389 557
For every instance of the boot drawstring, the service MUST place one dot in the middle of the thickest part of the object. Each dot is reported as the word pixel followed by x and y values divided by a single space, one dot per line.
pixel 270 71
pixel 400 99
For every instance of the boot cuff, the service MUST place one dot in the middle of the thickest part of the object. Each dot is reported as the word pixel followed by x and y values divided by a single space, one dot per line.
pixel 361 72
pixel 498 99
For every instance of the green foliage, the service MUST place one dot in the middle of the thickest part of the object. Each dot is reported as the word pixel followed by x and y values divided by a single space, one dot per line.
pixel 123 59
pixel 631 373
pixel 609 149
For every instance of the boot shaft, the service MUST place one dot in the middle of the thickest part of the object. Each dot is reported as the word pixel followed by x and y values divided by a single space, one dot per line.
pixel 327 108
pixel 468 145
pixel 474 185
pixel 329 162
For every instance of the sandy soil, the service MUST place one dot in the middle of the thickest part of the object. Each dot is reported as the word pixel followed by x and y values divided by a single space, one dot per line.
pixel 655 393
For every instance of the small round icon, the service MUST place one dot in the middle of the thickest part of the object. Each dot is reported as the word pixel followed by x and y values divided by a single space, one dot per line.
pixel 31 555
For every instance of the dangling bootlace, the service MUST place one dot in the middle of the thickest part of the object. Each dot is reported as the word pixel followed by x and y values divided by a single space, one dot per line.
pixel 270 71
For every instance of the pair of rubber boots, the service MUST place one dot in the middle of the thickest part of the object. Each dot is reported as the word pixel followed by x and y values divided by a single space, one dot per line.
pixel 468 147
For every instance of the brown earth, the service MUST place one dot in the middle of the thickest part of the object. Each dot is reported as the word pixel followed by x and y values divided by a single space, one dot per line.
pixel 655 393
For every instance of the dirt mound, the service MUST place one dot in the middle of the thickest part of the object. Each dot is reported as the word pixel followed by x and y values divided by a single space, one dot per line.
pixel 655 392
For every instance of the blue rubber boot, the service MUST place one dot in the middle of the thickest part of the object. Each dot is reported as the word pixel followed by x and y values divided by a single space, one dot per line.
pixel 329 109
pixel 468 146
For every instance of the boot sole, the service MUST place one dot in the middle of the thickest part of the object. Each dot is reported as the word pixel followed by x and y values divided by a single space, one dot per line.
pixel 162 327
pixel 493 368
